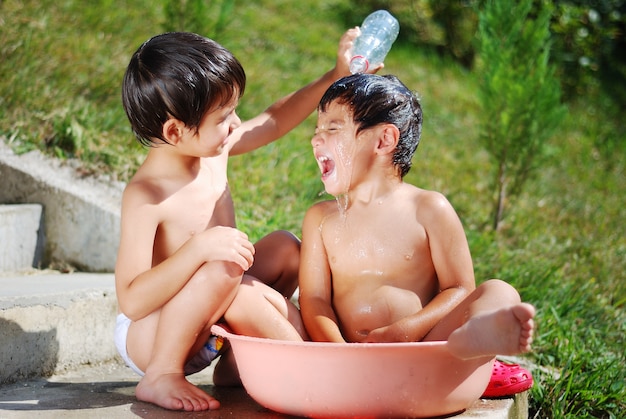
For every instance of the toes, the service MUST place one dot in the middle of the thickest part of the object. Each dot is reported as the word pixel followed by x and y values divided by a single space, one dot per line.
pixel 199 402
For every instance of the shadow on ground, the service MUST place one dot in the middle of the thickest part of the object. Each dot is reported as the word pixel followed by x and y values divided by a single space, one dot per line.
pixel 42 347
pixel 44 395
pixel 118 398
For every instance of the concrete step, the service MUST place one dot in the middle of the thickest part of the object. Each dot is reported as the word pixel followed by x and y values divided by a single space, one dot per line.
pixel 81 214
pixel 21 237
pixel 51 322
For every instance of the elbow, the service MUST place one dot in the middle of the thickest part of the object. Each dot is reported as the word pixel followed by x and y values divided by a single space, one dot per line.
pixel 133 315
pixel 461 292
pixel 132 311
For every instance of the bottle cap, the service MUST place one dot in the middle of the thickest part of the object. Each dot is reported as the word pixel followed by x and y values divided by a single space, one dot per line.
pixel 359 64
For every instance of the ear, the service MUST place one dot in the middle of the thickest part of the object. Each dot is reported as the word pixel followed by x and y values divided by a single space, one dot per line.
pixel 173 130
pixel 387 139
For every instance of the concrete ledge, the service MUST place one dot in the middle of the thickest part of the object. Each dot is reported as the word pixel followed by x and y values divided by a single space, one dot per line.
pixel 20 246
pixel 81 215
pixel 51 323
pixel 515 407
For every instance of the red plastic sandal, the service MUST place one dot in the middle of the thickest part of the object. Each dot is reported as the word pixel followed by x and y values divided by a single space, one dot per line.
pixel 507 380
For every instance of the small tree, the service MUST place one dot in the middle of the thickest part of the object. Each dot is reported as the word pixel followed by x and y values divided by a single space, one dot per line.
pixel 519 94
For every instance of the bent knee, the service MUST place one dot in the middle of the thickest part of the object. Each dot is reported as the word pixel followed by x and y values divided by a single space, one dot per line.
pixel 289 250
pixel 253 292
pixel 500 288
pixel 251 288
pixel 285 243
pixel 224 273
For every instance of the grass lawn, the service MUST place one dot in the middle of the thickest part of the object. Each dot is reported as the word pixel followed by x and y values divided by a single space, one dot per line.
pixel 563 243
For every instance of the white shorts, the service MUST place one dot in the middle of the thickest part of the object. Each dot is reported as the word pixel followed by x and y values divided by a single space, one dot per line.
pixel 122 323
pixel 204 357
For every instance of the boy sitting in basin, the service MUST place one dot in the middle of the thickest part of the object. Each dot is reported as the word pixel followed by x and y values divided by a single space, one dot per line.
pixel 182 265
pixel 387 261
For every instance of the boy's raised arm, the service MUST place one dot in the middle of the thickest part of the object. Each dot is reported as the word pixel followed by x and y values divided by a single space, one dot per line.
pixel 285 114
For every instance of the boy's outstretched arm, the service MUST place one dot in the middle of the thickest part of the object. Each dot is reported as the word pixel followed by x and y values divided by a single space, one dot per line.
pixel 318 315
pixel 285 114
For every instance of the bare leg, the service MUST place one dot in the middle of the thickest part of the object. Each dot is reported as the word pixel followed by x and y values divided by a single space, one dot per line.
pixel 258 311
pixel 261 311
pixel 276 261
pixel 161 343
pixel 490 321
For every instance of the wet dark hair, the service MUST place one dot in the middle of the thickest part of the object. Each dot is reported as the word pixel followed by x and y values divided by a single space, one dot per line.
pixel 376 100
pixel 178 75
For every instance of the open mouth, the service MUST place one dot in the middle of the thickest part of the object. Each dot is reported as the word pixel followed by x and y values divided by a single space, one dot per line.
pixel 326 165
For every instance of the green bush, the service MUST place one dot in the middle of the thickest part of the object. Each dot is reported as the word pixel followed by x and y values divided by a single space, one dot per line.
pixel 520 95
pixel 589 45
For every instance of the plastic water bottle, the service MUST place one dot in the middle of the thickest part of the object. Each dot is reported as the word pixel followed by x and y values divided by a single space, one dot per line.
pixel 378 32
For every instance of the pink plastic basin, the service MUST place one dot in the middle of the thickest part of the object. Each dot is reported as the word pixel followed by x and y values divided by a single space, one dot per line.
pixel 314 379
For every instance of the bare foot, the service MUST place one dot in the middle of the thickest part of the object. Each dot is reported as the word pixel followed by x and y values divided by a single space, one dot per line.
pixel 174 392
pixel 508 331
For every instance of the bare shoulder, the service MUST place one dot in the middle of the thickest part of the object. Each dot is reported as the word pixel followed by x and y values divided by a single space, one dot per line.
pixel 144 189
pixel 319 212
pixel 424 198
pixel 430 206
pixel 323 208
pixel 432 200
pixel 140 190
pixel 437 215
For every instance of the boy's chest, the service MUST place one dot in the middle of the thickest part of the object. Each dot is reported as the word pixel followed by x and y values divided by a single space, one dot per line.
pixel 389 241
pixel 200 205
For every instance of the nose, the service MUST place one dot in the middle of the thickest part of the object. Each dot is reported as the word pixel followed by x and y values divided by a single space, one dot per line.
pixel 316 140
pixel 235 122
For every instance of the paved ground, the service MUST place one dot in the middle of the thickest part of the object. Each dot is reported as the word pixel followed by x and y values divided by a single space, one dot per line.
pixel 107 391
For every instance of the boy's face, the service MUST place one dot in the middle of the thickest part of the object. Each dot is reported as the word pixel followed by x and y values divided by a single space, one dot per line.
pixel 336 147
pixel 215 127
